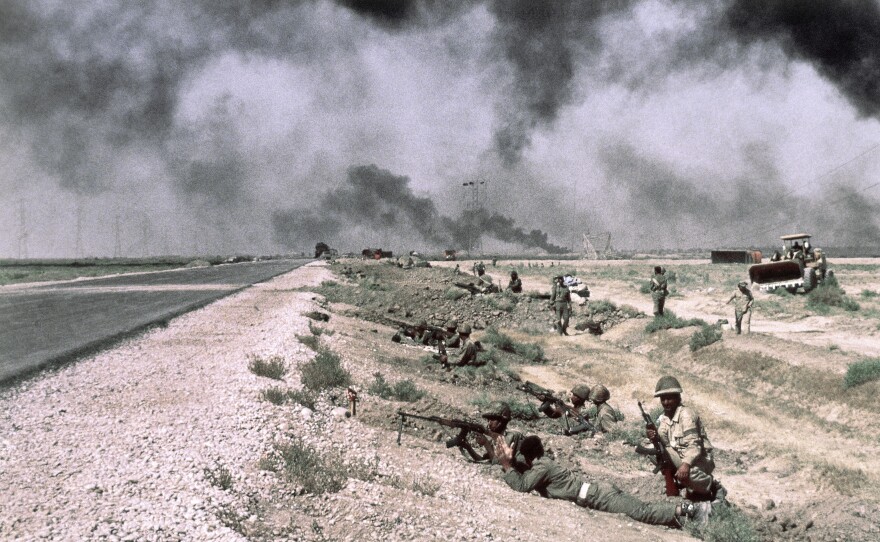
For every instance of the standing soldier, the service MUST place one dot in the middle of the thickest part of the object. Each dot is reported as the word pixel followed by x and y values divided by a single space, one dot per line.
pixel 742 307
pixel 659 290
pixel 606 415
pixel 560 302
pixel 683 434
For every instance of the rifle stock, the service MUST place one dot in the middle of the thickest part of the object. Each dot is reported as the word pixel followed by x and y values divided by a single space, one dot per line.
pixel 663 463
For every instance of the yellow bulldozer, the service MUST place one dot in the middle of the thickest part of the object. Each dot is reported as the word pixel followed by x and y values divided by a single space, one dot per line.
pixel 798 265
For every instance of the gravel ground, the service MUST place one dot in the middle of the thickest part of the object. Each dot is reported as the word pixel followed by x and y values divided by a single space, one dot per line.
pixel 129 445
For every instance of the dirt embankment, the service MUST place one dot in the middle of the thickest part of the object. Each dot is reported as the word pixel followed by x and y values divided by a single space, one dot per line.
pixel 169 436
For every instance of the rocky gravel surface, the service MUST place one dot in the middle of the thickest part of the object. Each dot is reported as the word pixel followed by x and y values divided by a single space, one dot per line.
pixel 166 437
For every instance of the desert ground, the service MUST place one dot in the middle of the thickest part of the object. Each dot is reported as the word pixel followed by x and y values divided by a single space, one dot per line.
pixel 173 435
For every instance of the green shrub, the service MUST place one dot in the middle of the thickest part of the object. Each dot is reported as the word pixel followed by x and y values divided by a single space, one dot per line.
pixel 781 292
pixel 868 294
pixel 302 397
pixel 645 287
pixel 273 367
pixel 454 294
pixel 530 351
pixel 630 312
pixel 329 284
pixel 601 306
pixel 218 476
pixel 310 340
pixel 704 337
pixel 520 408
pixel 827 295
pixel 670 321
pixel 727 524
pixel 860 372
pixel 317 315
pixel 303 465
pixel 630 434
pixel 324 371
pixel 402 390
pixel 274 395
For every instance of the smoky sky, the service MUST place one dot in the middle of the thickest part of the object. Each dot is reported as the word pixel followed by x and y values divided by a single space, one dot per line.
pixel 227 125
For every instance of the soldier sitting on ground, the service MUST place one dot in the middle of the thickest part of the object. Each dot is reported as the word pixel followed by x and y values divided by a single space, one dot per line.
pixel 579 395
pixel 551 480
pixel 453 340
pixel 515 284
pixel 682 432
pixel 467 351
pixel 606 415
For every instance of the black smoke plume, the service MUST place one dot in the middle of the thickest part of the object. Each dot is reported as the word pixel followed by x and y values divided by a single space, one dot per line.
pixel 375 198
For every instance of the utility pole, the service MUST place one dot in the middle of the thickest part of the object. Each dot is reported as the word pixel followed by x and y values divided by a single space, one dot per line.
pixel 78 250
pixel 22 231
pixel 117 247
pixel 473 208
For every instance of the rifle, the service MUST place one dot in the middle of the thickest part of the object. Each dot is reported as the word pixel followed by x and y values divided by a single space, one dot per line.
pixel 459 440
pixel 546 396
pixel 662 462
pixel 469 287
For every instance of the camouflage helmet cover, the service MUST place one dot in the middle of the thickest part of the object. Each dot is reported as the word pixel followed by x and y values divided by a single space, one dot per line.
pixel 667 385
pixel 581 392
pixel 600 394
pixel 497 409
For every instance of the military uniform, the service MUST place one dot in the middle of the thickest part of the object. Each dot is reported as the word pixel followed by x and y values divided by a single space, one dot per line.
pixel 685 435
pixel 560 299
pixel 742 308
pixel 659 291
pixel 551 480
pixel 468 349
pixel 515 284
pixel 606 417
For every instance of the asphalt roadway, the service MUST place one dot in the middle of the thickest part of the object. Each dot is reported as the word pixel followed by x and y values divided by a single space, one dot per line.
pixel 50 324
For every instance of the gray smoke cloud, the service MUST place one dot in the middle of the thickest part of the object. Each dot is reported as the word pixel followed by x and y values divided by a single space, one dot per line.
pixel 222 117
pixel 377 198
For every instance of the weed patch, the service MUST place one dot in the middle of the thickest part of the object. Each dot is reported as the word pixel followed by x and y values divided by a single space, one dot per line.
pixel 302 397
pixel 273 367
pixel 631 434
pixel 530 351
pixel 727 524
pixel 317 331
pixel 670 321
pixel 453 294
pixel 219 477
pixel 860 372
pixel 303 465
pixel 402 390
pixel 822 298
pixel 520 409
pixel 317 315
pixel 869 294
pixel 274 395
pixel 325 371
pixel 844 480
pixel 704 337
pixel 310 340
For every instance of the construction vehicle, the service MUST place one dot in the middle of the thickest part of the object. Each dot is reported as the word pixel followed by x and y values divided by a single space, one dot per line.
pixel 799 265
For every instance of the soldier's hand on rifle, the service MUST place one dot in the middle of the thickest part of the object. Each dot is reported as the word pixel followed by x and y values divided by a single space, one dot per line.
pixel 683 474
pixel 652 433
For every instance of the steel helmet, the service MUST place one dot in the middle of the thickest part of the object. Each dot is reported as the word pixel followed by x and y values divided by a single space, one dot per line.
pixel 465 329
pixel 582 392
pixel 452 324
pixel 600 394
pixel 667 385
pixel 497 409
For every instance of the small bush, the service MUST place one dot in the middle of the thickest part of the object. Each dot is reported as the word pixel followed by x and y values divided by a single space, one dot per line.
pixel 303 465
pixel 403 390
pixel 219 477
pixel 520 408
pixel 630 312
pixel 827 295
pixel 727 524
pixel 630 434
pixel 645 288
pixel 426 486
pixel 273 367
pixel 861 371
pixel 868 294
pixel 454 294
pixel 325 371
pixel 704 337
pixel 329 284
pixel 274 395
pixel 304 398
pixel 845 480
pixel 670 321
pixel 310 340
pixel 601 306
pixel 316 315
pixel 530 351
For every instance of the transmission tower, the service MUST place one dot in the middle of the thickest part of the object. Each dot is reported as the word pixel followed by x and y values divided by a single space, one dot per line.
pixel 22 231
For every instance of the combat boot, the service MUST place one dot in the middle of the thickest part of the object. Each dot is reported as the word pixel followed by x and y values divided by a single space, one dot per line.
pixel 693 512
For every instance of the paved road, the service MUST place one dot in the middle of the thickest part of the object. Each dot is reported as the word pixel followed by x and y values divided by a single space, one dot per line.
pixel 41 325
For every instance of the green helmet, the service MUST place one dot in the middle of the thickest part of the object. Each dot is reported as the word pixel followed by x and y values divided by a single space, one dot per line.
pixel 452 324
pixel 497 409
pixel 465 329
pixel 667 385
pixel 600 394
pixel 582 392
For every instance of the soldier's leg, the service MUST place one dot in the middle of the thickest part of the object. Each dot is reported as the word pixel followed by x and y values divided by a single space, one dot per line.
pixel 747 322
pixel 608 498
pixel 657 309
pixel 737 316
pixel 700 485
pixel 566 316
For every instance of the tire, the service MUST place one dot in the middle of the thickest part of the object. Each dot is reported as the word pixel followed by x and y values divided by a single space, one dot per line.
pixel 810 279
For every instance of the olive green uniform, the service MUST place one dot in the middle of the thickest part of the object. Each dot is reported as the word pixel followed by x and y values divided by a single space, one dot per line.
pixel 560 299
pixel 515 286
pixel 659 291
pixel 551 480
pixel 686 439
pixel 468 354
pixel 606 417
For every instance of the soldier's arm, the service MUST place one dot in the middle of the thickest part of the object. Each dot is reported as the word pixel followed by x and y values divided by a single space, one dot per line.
pixel 691 444
pixel 527 480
